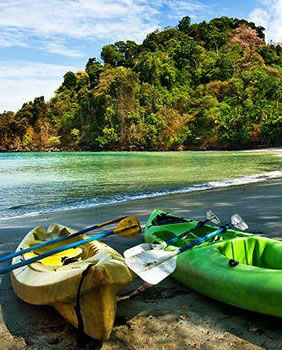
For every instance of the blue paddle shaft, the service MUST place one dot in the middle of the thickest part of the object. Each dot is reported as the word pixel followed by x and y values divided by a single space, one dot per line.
pixel 205 238
pixel 20 252
pixel 9 268
pixel 61 239
pixel 175 239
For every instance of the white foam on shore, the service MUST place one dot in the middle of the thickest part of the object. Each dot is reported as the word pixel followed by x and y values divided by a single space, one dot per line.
pixel 243 180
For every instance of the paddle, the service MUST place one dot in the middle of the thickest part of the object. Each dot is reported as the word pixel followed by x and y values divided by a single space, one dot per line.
pixel 128 227
pixel 149 246
pixel 61 239
pixel 155 265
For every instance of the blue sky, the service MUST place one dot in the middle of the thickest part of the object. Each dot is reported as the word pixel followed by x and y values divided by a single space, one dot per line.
pixel 40 40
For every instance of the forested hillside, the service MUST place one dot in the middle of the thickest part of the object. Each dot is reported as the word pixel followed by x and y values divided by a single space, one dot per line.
pixel 212 85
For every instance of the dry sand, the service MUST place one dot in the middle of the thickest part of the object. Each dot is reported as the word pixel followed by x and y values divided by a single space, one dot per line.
pixel 167 316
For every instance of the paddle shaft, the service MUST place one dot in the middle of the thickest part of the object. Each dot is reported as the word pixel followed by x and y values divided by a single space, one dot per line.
pixel 9 268
pixel 61 239
pixel 175 239
pixel 190 245
pixel 205 238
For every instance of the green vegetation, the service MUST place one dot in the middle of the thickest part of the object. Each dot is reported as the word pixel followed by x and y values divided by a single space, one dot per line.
pixel 210 85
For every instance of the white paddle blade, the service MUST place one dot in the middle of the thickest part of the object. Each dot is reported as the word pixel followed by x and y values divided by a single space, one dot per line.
pixel 152 266
pixel 141 248
pixel 159 272
pixel 238 222
pixel 213 218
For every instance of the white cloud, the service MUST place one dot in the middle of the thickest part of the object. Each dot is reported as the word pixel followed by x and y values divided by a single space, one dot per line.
pixel 10 38
pixel 90 19
pixel 60 49
pixel 79 18
pixel 21 81
pixel 260 17
pixel 180 8
pixel 269 15
pixel 66 27
pixel 194 9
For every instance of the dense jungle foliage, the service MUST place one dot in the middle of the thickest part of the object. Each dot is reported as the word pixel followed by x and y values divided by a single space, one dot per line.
pixel 210 85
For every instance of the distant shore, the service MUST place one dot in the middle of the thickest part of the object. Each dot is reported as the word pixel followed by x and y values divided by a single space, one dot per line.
pixel 167 316
pixel 196 149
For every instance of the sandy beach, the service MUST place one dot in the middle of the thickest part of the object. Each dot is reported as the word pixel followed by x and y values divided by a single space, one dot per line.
pixel 166 316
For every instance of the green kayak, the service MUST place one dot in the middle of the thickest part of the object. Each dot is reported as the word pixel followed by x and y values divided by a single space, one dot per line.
pixel 236 268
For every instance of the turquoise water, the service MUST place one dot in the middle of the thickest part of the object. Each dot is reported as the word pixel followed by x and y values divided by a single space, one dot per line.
pixel 40 182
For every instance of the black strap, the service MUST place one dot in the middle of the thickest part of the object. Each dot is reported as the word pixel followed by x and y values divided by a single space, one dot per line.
pixel 80 327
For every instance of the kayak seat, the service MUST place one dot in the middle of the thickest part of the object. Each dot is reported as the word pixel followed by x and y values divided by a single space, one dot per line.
pixel 60 259
pixel 254 251
pixel 167 219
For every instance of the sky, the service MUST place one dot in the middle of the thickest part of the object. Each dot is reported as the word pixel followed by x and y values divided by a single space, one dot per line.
pixel 41 40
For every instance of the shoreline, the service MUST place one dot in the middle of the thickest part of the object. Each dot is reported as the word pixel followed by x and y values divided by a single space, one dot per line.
pixel 255 148
pixel 203 187
pixel 166 316
pixel 189 204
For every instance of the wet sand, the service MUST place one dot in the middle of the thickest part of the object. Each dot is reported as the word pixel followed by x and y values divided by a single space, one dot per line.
pixel 166 316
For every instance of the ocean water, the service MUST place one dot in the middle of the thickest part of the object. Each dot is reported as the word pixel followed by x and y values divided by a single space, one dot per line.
pixel 42 182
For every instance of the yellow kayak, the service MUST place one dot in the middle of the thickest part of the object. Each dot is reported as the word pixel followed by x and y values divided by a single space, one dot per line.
pixel 80 283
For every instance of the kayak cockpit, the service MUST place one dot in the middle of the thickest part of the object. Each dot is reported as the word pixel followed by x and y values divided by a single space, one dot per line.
pixel 59 260
pixel 254 251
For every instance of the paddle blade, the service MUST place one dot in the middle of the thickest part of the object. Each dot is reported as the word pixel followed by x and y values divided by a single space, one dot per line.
pixel 128 227
pixel 141 248
pixel 152 266
pixel 238 222
pixel 213 218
